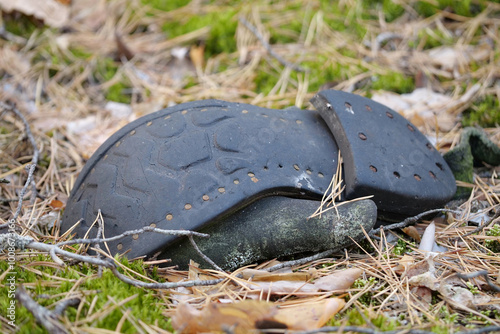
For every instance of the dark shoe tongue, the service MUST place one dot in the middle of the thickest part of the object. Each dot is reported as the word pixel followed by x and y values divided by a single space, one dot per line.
pixel 385 155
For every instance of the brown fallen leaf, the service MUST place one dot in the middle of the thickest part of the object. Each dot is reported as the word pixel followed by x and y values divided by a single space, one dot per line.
pixel 53 13
pixel 309 316
pixel 404 264
pixel 423 294
pixel 412 232
pixel 339 280
pixel 242 317
pixel 56 205
pixel 251 316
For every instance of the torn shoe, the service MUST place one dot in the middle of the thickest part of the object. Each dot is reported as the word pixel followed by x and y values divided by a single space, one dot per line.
pixel 196 164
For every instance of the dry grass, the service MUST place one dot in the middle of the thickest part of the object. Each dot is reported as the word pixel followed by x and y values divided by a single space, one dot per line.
pixel 61 82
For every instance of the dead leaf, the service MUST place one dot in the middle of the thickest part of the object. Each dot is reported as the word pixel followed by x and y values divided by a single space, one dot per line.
pixel 421 107
pixel 456 57
pixel 52 13
pixel 309 316
pixel 412 232
pixel 426 279
pixel 404 264
pixel 56 205
pixel 339 280
pixel 417 269
pixel 423 294
pixel 242 317
pixel 459 295
pixel 250 316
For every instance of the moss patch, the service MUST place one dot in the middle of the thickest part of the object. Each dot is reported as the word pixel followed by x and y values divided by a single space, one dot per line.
pixel 108 291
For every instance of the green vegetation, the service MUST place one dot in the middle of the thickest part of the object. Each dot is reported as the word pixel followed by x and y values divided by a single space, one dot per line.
pixel 493 245
pixel 353 317
pixel 466 7
pixel 21 25
pixel 108 291
pixel 485 113
pixel 401 247
pixel 365 299
pixel 222 23
pixel 395 82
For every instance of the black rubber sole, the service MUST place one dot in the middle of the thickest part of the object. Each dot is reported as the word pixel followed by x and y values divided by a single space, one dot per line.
pixel 182 167
pixel 385 155
pixel 185 167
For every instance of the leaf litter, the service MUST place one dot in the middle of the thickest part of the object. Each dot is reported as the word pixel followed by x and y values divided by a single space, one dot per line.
pixel 62 80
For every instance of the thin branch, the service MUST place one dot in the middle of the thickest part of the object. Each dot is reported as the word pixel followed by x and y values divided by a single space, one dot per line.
pixel 99 234
pixel 22 242
pixel 64 304
pixel 45 317
pixel 488 329
pixel 300 261
pixel 31 171
pixel 34 160
pixel 483 273
pixel 200 253
pixel 166 285
pixel 493 219
pixel 409 220
pixel 36 152
pixel 8 200
pixel 132 232
pixel 268 48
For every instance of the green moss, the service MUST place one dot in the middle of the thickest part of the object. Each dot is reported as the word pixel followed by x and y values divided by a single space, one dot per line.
pixel 350 20
pixel 106 70
pixel 493 245
pixel 20 25
pixel 401 247
pixel 395 82
pixel 434 38
pixel 166 5
pixel 440 329
pixel 265 81
pixel 353 317
pixel 485 113
pixel 460 7
pixel 366 298
pixel 221 37
pixel 145 306
pixel 118 93
pixel 392 10
pixel 80 53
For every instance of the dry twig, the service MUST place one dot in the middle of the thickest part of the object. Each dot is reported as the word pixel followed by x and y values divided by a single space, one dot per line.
pixel 268 48
pixel 45 317
pixel 409 220
pixel 493 220
pixel 483 273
